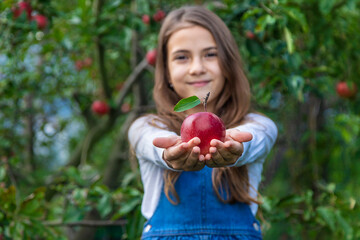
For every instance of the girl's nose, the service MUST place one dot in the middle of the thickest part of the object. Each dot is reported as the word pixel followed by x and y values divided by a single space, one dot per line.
pixel 197 66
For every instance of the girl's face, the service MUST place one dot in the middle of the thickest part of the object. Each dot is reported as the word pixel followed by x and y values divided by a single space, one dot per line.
pixel 194 65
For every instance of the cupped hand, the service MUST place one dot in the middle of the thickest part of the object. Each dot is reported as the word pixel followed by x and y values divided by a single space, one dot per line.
pixel 181 155
pixel 226 153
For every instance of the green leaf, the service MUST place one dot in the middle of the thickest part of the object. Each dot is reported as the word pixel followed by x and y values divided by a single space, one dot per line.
pixel 105 205
pixel 289 40
pixel 326 6
pixel 344 225
pixel 74 175
pixel 264 21
pixel 129 206
pixel 298 16
pixel 296 85
pixel 2 173
pixel 327 214
pixel 30 207
pixel 187 103
pixel 79 196
pixel 290 200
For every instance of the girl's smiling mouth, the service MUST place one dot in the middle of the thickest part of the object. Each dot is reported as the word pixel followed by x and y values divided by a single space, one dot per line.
pixel 199 83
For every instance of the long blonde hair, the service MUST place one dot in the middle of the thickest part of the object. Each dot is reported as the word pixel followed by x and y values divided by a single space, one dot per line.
pixel 232 106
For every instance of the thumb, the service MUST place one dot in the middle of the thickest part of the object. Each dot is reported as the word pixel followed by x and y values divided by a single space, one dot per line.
pixel 165 142
pixel 241 136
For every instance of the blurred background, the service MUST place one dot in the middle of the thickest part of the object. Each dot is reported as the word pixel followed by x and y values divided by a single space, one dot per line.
pixel 75 73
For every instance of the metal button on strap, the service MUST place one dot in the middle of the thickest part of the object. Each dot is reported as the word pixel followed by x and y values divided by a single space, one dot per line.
pixel 256 226
pixel 147 228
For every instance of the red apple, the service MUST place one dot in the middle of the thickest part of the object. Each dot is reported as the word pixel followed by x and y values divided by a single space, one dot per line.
pixel 206 126
pixel 159 16
pixel 346 91
pixel 41 21
pixel 20 8
pixel 146 19
pixel 249 34
pixel 151 57
pixel 100 107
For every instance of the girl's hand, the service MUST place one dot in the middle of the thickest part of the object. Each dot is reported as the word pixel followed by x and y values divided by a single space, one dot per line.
pixel 227 153
pixel 181 155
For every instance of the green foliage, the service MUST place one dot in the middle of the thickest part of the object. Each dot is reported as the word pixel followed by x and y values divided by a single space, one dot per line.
pixel 328 215
pixel 25 218
pixel 56 156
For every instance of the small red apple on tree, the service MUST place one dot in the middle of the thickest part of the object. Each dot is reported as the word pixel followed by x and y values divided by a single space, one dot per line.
pixel 22 7
pixel 345 90
pixel 41 21
pixel 100 107
pixel 146 19
pixel 204 125
pixel 249 34
pixel 80 64
pixel 151 57
pixel 159 16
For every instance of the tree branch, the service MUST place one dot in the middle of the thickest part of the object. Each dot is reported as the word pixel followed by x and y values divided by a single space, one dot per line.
pixel 128 83
pixel 101 51
pixel 85 112
pixel 30 134
pixel 117 158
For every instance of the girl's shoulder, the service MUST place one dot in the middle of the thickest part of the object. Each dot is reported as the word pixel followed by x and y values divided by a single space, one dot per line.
pixel 148 120
pixel 140 127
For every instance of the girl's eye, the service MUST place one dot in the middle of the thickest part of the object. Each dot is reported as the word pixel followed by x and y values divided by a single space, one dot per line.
pixel 180 57
pixel 211 54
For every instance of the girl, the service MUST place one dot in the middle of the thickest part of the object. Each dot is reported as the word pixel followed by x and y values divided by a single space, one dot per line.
pixel 188 195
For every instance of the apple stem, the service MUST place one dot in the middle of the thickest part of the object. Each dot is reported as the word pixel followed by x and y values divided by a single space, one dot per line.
pixel 205 100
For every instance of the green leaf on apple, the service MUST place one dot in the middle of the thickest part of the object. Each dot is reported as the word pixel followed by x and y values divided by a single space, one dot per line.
pixel 187 103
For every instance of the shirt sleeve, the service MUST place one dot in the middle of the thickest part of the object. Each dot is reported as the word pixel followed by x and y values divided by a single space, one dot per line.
pixel 264 133
pixel 141 135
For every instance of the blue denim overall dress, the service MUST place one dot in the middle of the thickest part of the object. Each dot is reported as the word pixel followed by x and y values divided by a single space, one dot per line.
pixel 200 214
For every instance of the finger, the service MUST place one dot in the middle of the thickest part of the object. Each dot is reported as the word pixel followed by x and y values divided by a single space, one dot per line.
pixel 165 142
pixel 216 143
pixel 178 153
pixel 190 161
pixel 218 146
pixel 241 136
pixel 215 160
pixel 194 142
pixel 207 157
pixel 231 147
pixel 224 153
pixel 193 156
pixel 193 160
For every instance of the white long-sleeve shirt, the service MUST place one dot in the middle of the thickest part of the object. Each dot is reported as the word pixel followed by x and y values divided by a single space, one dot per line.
pixel 141 135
